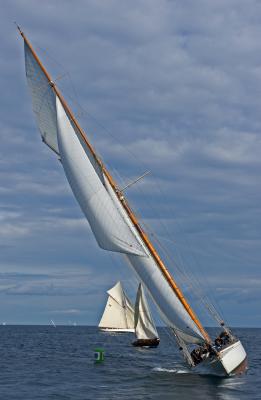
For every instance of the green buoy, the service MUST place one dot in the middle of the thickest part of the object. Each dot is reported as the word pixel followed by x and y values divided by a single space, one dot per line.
pixel 98 355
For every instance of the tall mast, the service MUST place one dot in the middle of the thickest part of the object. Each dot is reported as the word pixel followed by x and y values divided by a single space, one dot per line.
pixel 121 198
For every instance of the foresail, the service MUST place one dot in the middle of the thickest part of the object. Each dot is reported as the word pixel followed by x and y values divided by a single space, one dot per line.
pixel 108 226
pixel 143 322
pixel 43 99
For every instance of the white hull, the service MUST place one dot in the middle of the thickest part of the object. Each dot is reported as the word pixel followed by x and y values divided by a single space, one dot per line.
pixel 232 360
pixel 119 330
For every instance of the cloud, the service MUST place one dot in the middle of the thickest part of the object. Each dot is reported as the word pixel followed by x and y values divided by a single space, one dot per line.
pixel 172 87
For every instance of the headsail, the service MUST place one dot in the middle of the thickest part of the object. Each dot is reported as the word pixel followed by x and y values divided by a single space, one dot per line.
pixel 43 99
pixel 143 322
pixel 111 219
pixel 119 312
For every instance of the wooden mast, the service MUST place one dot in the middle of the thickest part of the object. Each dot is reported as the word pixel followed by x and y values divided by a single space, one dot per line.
pixel 120 196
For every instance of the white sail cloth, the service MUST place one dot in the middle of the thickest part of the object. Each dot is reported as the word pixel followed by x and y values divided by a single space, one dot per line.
pixel 43 99
pixel 108 226
pixel 143 322
pixel 119 312
pixel 111 225
pixel 107 217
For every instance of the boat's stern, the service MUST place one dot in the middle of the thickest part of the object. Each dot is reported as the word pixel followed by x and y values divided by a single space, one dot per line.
pixel 233 359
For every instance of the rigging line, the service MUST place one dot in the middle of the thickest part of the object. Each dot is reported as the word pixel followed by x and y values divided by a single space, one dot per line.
pixel 188 279
pixel 65 74
pixel 124 203
pixel 197 283
pixel 184 268
pixel 83 109
pixel 195 287
pixel 169 258
pixel 48 55
pixel 152 232
pixel 213 300
pixel 165 228
pixel 208 296
pixel 75 99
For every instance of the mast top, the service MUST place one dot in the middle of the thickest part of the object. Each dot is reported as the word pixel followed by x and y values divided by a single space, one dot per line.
pixel 19 29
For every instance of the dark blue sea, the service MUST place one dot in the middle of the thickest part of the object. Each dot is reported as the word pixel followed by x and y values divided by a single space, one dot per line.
pixel 43 362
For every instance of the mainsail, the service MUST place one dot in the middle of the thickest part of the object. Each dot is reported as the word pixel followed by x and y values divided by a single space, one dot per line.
pixel 113 223
pixel 143 322
pixel 118 313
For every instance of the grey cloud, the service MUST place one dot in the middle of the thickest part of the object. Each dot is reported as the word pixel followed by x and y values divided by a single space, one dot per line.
pixel 177 83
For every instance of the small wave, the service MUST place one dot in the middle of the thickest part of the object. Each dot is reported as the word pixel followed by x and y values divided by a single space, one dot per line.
pixel 173 371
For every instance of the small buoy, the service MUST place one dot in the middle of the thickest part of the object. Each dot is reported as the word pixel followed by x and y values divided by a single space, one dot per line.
pixel 98 355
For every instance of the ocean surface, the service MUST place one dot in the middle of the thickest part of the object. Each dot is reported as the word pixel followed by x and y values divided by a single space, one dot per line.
pixel 43 362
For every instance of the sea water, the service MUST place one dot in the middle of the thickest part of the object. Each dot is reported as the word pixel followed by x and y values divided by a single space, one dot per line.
pixel 44 362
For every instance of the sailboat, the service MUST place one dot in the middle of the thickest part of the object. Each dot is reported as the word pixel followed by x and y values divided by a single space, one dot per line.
pixel 52 323
pixel 116 227
pixel 145 329
pixel 118 315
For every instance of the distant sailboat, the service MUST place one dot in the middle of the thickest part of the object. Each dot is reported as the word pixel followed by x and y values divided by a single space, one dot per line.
pixel 116 227
pixel 118 315
pixel 145 329
pixel 52 323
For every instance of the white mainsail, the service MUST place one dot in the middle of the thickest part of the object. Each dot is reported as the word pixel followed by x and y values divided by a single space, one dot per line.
pixel 118 313
pixel 109 221
pixel 143 322
pixel 108 226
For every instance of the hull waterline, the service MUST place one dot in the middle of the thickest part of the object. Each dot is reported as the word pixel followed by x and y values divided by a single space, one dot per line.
pixel 149 343
pixel 232 360
pixel 115 330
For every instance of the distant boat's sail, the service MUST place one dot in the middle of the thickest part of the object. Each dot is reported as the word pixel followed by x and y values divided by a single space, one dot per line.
pixel 119 312
pixel 113 223
pixel 143 322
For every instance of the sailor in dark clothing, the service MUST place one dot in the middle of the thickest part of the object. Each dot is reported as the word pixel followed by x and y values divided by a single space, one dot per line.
pixel 196 356
pixel 223 339
pixel 218 342
pixel 224 336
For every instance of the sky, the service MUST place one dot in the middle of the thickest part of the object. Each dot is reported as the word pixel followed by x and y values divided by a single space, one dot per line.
pixel 172 87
